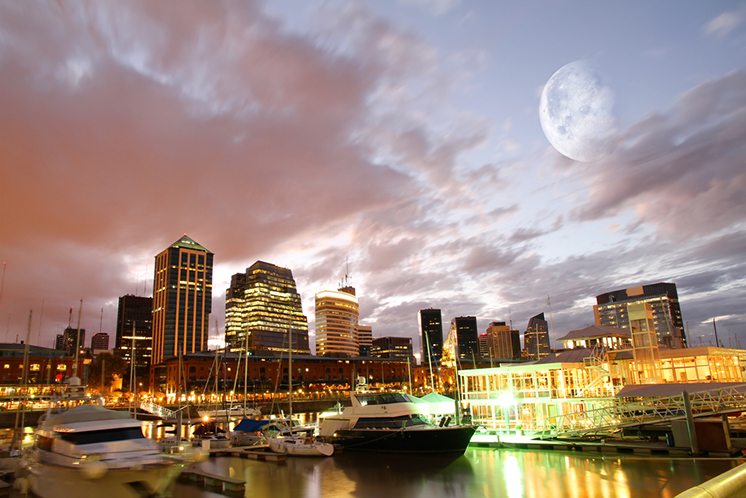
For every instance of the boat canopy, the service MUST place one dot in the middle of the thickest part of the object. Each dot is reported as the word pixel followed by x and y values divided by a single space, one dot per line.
pixel 251 425
pixel 85 413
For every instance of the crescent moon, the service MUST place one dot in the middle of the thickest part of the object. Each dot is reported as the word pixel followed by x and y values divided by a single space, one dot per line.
pixel 576 112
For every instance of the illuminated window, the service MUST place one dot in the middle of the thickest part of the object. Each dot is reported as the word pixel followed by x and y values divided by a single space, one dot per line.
pixel 34 367
pixel 62 367
pixel 6 366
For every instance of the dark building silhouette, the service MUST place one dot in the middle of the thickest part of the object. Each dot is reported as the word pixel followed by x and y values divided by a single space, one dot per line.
pixel 468 337
pixel 69 340
pixel 431 334
pixel 392 347
pixel 59 342
pixel 536 338
pixel 262 306
pixel 135 333
pixel 100 341
pixel 182 299
pixel 662 300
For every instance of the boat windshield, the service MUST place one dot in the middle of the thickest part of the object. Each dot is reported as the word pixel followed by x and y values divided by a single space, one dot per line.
pixel 390 422
pixel 383 398
pixel 105 436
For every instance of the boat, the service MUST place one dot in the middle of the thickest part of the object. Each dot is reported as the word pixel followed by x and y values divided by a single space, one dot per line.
pixel 229 413
pixel 92 451
pixel 392 423
pixel 298 445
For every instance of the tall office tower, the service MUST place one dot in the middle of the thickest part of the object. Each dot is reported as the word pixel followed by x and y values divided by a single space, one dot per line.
pixel 612 310
pixel 69 340
pixel 100 341
pixel 392 347
pixel 465 330
pixel 364 334
pixel 182 299
pixel 263 311
pixel 336 322
pixel 503 343
pixel 484 347
pixel 59 342
pixel 431 334
pixel 135 333
pixel 536 338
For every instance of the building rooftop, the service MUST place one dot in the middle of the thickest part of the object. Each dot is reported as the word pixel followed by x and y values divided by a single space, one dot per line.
pixel 594 331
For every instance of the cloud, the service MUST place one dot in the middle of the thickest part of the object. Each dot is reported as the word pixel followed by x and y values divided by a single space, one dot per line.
pixel 680 171
pixel 724 23
pixel 433 7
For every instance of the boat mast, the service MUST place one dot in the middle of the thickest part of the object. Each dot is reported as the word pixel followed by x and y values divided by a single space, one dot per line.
pixel 245 371
pixel 77 343
pixel 290 374
pixel 17 438
pixel 430 362
pixel 132 369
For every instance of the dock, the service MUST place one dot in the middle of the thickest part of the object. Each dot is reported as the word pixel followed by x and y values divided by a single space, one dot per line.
pixel 262 454
pixel 214 482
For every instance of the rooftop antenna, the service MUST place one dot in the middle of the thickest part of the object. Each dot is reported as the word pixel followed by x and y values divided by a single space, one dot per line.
pixel 70 317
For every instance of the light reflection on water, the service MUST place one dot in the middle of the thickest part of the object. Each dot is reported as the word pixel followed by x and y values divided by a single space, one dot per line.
pixel 480 472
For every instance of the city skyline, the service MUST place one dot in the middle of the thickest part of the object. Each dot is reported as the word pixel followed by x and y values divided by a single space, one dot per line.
pixel 399 142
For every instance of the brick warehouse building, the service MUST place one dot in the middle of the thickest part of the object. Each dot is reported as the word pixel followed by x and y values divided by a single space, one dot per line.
pixel 309 372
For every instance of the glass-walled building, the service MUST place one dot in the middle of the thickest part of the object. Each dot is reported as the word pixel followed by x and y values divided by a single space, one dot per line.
pixel 263 310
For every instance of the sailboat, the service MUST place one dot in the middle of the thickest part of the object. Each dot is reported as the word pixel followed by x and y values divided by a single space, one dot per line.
pixel 290 441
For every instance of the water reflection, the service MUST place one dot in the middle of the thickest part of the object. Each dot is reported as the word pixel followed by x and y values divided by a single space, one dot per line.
pixel 480 472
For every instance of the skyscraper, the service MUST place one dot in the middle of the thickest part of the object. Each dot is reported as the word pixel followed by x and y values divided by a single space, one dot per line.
pixel 465 328
pixel 536 338
pixel 135 314
pixel 392 347
pixel 100 341
pixel 336 322
pixel 503 343
pixel 262 307
pixel 612 310
pixel 364 334
pixel 431 333
pixel 182 299
pixel 69 340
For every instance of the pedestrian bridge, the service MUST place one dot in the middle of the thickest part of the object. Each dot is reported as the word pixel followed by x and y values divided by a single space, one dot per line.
pixel 635 409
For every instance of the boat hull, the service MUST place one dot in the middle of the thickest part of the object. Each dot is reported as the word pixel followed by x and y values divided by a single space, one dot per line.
pixel 435 440
pixel 54 481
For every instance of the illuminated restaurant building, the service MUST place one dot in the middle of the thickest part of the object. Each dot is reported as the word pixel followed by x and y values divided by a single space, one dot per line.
pixel 601 366
pixel 337 315
pixel 262 308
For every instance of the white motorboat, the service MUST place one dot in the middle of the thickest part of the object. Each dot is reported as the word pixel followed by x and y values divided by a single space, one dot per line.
pixel 300 446
pixel 91 451
pixel 391 423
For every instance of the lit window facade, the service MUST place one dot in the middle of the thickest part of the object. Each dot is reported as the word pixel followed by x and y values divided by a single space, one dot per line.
pixel 612 310
pixel 182 299
pixel 337 315
pixel 262 307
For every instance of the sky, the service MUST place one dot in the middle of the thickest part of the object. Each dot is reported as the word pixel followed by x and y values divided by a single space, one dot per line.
pixel 398 142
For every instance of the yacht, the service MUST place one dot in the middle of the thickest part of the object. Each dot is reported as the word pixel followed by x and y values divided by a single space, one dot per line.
pixel 391 423
pixel 92 451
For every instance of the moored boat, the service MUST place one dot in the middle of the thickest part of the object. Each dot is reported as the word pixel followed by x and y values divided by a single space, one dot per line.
pixel 92 451
pixel 391 423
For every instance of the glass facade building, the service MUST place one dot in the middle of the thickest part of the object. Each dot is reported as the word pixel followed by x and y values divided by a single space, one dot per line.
pixel 182 299
pixel 262 307
pixel 536 338
pixel 431 333
pixel 135 333
pixel 611 310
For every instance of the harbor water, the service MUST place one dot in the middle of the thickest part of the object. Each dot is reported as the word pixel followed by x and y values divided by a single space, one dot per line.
pixel 480 472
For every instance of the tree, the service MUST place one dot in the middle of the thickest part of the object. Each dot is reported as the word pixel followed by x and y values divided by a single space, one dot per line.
pixel 109 365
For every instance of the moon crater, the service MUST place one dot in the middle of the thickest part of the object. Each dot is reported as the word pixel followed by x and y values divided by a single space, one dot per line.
pixel 576 112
